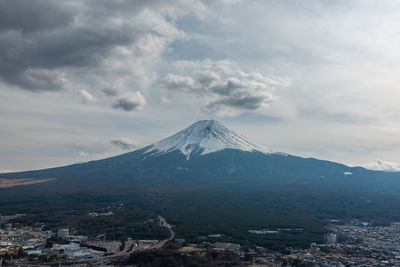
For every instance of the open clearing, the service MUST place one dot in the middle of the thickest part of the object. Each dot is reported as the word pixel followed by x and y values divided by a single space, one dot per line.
pixel 6 183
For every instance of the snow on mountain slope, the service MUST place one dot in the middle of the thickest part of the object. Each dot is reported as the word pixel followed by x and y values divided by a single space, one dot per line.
pixel 385 166
pixel 204 137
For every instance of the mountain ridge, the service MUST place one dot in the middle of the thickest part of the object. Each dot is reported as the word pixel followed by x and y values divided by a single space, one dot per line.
pixel 204 149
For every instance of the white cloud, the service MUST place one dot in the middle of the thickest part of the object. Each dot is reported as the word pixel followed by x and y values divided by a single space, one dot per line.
pixel 86 96
pixel 226 89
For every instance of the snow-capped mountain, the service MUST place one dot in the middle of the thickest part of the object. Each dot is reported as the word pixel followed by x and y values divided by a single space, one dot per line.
pixel 205 153
pixel 385 166
pixel 204 137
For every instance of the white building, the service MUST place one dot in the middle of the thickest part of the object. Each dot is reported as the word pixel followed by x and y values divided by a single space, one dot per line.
pixel 227 246
pixel 33 252
pixel 74 250
pixel 62 233
pixel 331 238
pixel 70 246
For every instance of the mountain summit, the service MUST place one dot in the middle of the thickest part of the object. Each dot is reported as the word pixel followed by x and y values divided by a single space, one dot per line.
pixel 203 137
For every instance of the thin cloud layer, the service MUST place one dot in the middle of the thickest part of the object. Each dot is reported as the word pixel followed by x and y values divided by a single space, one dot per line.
pixel 226 89
pixel 90 149
pixel 97 148
pixel 124 143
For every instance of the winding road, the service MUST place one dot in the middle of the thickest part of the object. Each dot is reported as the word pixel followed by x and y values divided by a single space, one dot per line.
pixel 130 245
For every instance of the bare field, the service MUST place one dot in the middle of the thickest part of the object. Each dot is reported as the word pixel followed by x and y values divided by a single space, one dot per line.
pixel 6 183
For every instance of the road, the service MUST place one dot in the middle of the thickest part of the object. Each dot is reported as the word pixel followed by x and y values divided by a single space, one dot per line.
pixel 130 245
pixel 163 222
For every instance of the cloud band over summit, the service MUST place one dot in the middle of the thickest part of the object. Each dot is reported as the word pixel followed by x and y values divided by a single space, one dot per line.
pixel 227 89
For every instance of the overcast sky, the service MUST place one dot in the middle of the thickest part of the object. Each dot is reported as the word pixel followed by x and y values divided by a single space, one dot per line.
pixel 82 80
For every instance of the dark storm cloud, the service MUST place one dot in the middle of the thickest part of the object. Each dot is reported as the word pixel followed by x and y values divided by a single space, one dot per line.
pixel 130 102
pixel 31 60
pixel 246 103
pixel 110 91
pixel 48 45
pixel 228 87
pixel 34 15
pixel 126 104
pixel 26 28
pixel 226 90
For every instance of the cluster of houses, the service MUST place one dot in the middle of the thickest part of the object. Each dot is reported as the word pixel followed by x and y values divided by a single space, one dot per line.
pixel 18 241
